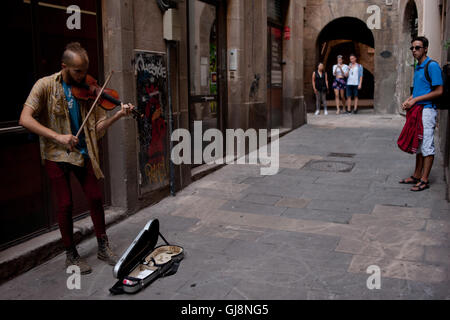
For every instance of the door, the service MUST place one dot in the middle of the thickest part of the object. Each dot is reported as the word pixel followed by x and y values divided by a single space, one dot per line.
pixel 205 66
pixel 38 33
pixel 275 76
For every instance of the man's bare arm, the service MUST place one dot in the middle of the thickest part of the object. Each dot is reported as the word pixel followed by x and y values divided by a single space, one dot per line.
pixel 26 120
pixel 314 81
pixel 103 125
pixel 436 93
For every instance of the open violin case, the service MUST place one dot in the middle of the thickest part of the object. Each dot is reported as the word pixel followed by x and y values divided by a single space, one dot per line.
pixel 142 263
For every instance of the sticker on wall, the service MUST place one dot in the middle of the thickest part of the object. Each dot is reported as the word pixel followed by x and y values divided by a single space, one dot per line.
pixel 151 72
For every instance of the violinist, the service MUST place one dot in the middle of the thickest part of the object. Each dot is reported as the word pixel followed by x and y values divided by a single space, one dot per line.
pixel 55 114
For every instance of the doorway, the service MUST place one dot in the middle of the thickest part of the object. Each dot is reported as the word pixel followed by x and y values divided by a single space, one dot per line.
pixel 275 75
pixel 406 60
pixel 206 66
pixel 38 33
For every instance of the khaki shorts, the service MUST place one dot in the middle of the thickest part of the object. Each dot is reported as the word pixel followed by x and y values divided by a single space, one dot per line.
pixel 429 124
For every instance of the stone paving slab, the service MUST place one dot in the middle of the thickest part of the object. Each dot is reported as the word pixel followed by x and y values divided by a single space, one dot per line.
pixel 293 202
pixel 227 231
pixel 405 201
pixel 278 191
pixel 401 269
pixel 403 251
pixel 255 290
pixel 440 214
pixel 220 194
pixel 326 192
pixel 261 199
pixel 367 220
pixel 438 255
pixel 343 206
pixel 285 181
pixel 399 235
pixel 251 207
pixel 319 215
pixel 439 226
pixel 396 212
pixel 279 223
pixel 264 235
pixel 220 185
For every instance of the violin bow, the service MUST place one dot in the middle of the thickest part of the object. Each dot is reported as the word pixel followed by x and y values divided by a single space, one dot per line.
pixel 95 102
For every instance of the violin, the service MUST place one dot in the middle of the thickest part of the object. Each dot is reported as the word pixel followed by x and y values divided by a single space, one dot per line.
pixel 109 99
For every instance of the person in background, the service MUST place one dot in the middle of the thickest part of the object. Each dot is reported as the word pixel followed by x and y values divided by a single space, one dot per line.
pixel 339 84
pixel 354 83
pixel 320 86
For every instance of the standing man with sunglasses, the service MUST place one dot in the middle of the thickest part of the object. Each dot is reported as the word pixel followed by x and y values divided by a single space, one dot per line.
pixel 423 95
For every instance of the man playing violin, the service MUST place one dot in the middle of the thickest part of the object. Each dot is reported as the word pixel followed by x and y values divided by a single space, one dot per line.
pixel 53 113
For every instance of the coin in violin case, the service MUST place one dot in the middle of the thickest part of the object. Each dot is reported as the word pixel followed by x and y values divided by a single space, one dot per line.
pixel 142 263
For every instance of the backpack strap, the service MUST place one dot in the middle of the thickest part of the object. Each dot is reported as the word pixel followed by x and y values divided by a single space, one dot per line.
pixel 427 75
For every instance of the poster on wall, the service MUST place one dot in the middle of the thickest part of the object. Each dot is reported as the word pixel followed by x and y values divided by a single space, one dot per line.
pixel 151 87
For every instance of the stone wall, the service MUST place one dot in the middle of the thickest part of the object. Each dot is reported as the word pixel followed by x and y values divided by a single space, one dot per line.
pixel 131 25
pixel 444 116
pixel 128 26
pixel 118 45
pixel 293 94
pixel 247 32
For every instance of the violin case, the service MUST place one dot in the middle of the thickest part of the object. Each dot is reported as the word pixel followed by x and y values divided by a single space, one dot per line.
pixel 142 263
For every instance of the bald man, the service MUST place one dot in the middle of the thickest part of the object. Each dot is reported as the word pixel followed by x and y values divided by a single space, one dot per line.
pixel 53 113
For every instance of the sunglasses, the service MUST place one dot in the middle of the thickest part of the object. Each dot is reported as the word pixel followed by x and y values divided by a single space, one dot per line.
pixel 417 48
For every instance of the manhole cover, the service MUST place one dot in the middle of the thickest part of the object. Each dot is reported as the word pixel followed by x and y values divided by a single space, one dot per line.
pixel 330 166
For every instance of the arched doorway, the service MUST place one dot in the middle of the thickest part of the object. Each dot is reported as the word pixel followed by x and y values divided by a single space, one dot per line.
pixel 409 30
pixel 344 36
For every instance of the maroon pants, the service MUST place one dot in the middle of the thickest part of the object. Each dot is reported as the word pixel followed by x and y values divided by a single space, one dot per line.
pixel 59 174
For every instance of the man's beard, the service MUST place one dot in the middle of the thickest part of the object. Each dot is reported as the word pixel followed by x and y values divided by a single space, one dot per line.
pixel 72 81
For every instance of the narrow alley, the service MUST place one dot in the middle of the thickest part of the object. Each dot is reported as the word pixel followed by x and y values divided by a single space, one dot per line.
pixel 310 232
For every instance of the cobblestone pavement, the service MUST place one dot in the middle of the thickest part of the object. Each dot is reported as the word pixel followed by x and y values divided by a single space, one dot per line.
pixel 310 232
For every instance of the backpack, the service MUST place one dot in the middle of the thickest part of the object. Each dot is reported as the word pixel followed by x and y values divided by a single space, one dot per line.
pixel 443 101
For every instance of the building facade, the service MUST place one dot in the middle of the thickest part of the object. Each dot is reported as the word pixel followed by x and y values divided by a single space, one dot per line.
pixel 227 63
pixel 444 115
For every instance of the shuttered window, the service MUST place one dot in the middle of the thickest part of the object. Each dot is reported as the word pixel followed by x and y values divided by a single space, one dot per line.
pixel 274 11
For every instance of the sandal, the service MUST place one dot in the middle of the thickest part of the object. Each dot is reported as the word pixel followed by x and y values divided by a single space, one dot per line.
pixel 421 186
pixel 413 180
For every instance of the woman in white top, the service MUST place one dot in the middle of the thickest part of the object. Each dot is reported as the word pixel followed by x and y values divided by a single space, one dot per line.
pixel 339 84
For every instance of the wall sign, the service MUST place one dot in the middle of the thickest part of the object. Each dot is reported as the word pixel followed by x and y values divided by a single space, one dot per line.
pixel 287 33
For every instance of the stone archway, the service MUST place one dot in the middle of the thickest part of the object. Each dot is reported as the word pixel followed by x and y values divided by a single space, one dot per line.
pixel 318 14
pixel 344 36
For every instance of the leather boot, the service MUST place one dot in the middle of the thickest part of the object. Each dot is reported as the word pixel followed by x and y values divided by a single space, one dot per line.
pixel 74 259
pixel 105 252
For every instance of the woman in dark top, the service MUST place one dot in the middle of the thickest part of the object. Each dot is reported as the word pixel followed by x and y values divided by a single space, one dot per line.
pixel 320 86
